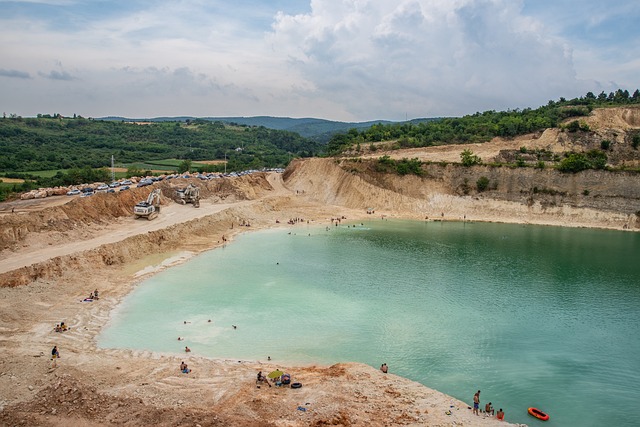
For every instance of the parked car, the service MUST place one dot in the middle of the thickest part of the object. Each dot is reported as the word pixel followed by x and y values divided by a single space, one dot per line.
pixel 124 187
pixel 73 192
pixel 114 184
pixel 103 187
pixel 126 182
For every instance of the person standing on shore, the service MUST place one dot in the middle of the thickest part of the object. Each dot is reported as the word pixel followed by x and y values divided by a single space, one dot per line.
pixel 54 355
pixel 476 403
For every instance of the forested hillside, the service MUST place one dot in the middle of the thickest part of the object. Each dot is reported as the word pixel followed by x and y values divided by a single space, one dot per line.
pixel 319 130
pixel 31 144
pixel 482 127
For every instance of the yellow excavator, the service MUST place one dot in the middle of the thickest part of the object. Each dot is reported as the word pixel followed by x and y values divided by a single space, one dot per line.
pixel 191 194
pixel 149 208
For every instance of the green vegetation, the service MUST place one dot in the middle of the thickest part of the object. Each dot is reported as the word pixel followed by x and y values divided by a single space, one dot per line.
pixel 46 143
pixel 469 159
pixel 482 184
pixel 481 127
pixel 576 162
pixel 401 167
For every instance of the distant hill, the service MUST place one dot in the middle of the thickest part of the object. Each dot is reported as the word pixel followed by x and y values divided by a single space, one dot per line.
pixel 319 130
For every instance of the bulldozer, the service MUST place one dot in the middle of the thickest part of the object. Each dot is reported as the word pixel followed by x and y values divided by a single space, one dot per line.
pixel 190 194
pixel 149 208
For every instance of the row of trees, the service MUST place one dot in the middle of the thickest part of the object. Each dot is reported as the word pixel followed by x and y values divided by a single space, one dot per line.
pixel 480 127
pixel 46 143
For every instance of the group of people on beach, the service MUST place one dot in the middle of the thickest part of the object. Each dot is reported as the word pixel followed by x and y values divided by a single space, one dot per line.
pixel 92 296
pixel 61 327
pixel 293 221
pixel 488 408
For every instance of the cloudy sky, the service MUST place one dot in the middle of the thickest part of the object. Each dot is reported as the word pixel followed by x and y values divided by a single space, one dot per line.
pixel 349 60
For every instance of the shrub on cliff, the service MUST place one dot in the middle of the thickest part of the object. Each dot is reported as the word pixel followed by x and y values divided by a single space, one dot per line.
pixel 469 159
pixel 482 184
pixel 576 162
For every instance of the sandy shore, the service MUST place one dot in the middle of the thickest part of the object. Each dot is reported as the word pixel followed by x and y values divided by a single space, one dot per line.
pixel 94 386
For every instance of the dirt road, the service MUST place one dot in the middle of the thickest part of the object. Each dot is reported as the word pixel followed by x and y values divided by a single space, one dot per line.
pixel 170 215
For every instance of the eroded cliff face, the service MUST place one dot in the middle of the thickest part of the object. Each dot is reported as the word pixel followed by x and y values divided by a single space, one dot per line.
pixel 590 198
pixel 77 219
pixel 446 189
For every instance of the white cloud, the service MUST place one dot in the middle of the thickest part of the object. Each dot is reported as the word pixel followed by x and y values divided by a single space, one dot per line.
pixel 338 59
pixel 426 57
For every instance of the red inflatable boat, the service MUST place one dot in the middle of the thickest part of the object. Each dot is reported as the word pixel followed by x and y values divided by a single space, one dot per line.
pixel 538 414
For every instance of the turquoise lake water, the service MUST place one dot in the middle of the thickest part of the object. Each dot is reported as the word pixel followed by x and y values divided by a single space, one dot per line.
pixel 532 316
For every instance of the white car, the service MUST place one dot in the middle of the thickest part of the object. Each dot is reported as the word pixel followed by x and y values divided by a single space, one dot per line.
pixel 73 192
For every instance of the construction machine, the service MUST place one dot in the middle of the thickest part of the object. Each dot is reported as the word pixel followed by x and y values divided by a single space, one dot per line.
pixel 149 208
pixel 191 194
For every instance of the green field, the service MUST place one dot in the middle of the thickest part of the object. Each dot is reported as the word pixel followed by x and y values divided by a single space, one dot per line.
pixel 168 165
pixel 43 174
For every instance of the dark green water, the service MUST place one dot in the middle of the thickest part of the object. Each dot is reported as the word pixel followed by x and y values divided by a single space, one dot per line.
pixel 532 316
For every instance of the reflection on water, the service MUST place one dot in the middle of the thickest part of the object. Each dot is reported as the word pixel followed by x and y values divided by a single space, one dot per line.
pixel 532 316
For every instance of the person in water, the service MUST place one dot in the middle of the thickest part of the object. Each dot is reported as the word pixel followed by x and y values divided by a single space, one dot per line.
pixel 500 415
pixel 384 368
pixel 186 349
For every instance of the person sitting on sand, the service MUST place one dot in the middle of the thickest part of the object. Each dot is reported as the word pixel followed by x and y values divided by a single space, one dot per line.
pixel 57 328
pixel 63 327
pixel 500 415
pixel 262 379
pixel 384 368
pixel 184 368
pixel 95 294
pixel 186 349
pixel 488 409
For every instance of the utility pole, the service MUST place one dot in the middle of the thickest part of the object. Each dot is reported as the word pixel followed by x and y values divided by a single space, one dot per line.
pixel 225 162
pixel 113 170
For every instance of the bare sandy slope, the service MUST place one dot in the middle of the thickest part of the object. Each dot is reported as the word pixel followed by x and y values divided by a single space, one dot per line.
pixel 125 227
pixel 93 386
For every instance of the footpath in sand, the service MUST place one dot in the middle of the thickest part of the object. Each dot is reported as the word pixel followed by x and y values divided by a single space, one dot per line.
pixel 98 387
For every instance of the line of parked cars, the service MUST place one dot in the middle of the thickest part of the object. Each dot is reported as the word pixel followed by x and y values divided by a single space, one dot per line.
pixel 126 183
